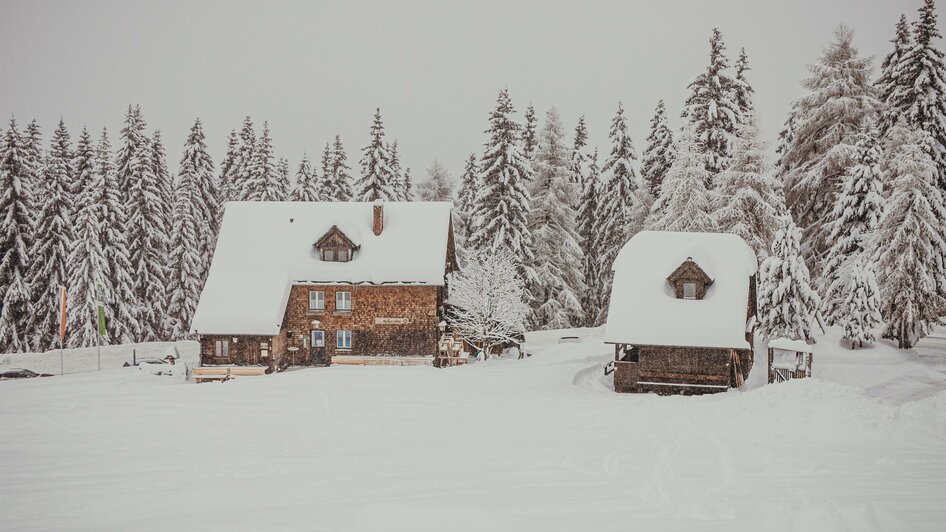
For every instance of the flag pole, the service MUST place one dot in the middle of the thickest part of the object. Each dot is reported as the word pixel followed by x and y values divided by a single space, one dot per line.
pixel 62 327
pixel 99 320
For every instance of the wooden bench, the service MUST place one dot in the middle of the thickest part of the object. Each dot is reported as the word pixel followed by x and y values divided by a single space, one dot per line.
pixel 225 373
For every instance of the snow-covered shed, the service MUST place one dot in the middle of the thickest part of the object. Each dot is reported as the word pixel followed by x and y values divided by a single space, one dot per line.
pixel 299 282
pixel 682 312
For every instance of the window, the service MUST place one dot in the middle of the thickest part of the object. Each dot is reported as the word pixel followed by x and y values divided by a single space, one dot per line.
pixel 689 290
pixel 318 339
pixel 316 300
pixel 343 255
pixel 328 254
pixel 221 348
pixel 343 301
pixel 343 339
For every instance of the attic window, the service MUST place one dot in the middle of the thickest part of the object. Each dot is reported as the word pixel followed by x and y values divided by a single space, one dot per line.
pixel 689 290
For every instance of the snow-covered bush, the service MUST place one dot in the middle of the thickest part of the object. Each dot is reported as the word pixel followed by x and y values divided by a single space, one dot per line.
pixel 487 302
pixel 861 306
pixel 786 299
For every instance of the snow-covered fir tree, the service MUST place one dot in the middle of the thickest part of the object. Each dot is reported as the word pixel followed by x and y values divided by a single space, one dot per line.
pixel 264 183
pixel 120 316
pixel 35 159
pixel 499 219
pixel 711 111
pixel 401 187
pixel 748 199
pixel 307 180
pixel 861 304
pixel 229 168
pixel 742 87
pixel 890 74
pixel 839 104
pixel 588 239
pixel 186 277
pixel 466 196
pixel 853 221
pixel 658 155
pixel 53 238
pixel 341 182
pixel 555 294
pixel 684 203
pixel 438 186
pixel 145 229
pixel 197 168
pixel 165 185
pixel 88 265
pixel 787 302
pixel 529 138
pixel 579 155
pixel 240 185
pixel 281 186
pixel 919 94
pixel 786 137
pixel 617 206
pixel 377 180
pixel 407 184
pixel 910 244
pixel 16 229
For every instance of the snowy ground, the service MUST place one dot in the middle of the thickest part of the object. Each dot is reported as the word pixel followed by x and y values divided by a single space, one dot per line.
pixel 538 444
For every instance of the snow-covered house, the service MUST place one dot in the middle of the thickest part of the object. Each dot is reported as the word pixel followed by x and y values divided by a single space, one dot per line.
pixel 303 282
pixel 682 312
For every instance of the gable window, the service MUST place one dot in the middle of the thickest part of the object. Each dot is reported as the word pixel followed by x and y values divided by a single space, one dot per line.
pixel 343 339
pixel 342 255
pixel 343 301
pixel 328 255
pixel 689 290
pixel 316 300
pixel 222 348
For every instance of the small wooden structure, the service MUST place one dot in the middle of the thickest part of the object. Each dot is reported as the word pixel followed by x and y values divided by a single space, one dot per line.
pixel 225 373
pixel 789 359
pixel 451 351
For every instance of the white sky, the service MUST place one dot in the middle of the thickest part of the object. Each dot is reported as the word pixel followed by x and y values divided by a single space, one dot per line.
pixel 313 69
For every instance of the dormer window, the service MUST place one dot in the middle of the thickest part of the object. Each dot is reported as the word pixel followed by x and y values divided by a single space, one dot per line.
pixel 689 281
pixel 335 246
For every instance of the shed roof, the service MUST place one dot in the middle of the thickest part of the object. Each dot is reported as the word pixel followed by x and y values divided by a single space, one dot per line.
pixel 644 309
pixel 266 247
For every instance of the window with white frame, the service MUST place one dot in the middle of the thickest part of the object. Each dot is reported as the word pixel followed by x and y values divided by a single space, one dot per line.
pixel 342 339
pixel 222 348
pixel 318 338
pixel 689 290
pixel 343 301
pixel 316 300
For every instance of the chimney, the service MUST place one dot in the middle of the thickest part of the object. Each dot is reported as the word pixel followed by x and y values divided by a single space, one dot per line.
pixel 378 222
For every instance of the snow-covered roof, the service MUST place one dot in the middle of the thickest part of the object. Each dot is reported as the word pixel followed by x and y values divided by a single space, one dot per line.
pixel 266 247
pixel 788 344
pixel 644 309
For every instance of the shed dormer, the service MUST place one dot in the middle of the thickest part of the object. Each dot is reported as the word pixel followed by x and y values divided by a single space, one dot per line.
pixel 689 281
pixel 335 246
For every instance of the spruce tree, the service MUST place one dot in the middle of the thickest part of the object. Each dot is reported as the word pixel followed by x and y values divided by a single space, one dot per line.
pixel 377 177
pixel 88 265
pixel 52 241
pixel 341 181
pixel 658 156
pixel 711 111
pixel 786 137
pixel 438 186
pixel 910 243
pixel 229 171
pixel 579 156
pixel 588 238
pixel 890 74
pixel 196 163
pixel 555 293
pixel 919 94
pixel 186 277
pixel 748 200
pixel 16 229
pixel 307 185
pixel 407 182
pixel 619 198
pixel 840 103
pixel 499 219
pixel 684 203
pixel 861 304
pixel 145 229
pixel 743 89
pixel 787 302
pixel 466 197
pixel 120 300
pixel 165 185
pixel 853 221
pixel 280 187
pixel 240 188
pixel 397 175
pixel 529 139
pixel 263 183
pixel 33 149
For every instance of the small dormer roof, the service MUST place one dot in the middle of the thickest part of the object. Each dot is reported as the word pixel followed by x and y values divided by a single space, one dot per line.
pixel 334 231
pixel 690 271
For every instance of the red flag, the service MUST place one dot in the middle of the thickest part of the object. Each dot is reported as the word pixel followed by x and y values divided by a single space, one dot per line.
pixel 62 313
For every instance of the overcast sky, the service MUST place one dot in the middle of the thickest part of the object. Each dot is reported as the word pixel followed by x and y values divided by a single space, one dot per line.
pixel 314 69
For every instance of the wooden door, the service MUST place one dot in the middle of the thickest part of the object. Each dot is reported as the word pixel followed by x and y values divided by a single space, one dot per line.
pixel 317 347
